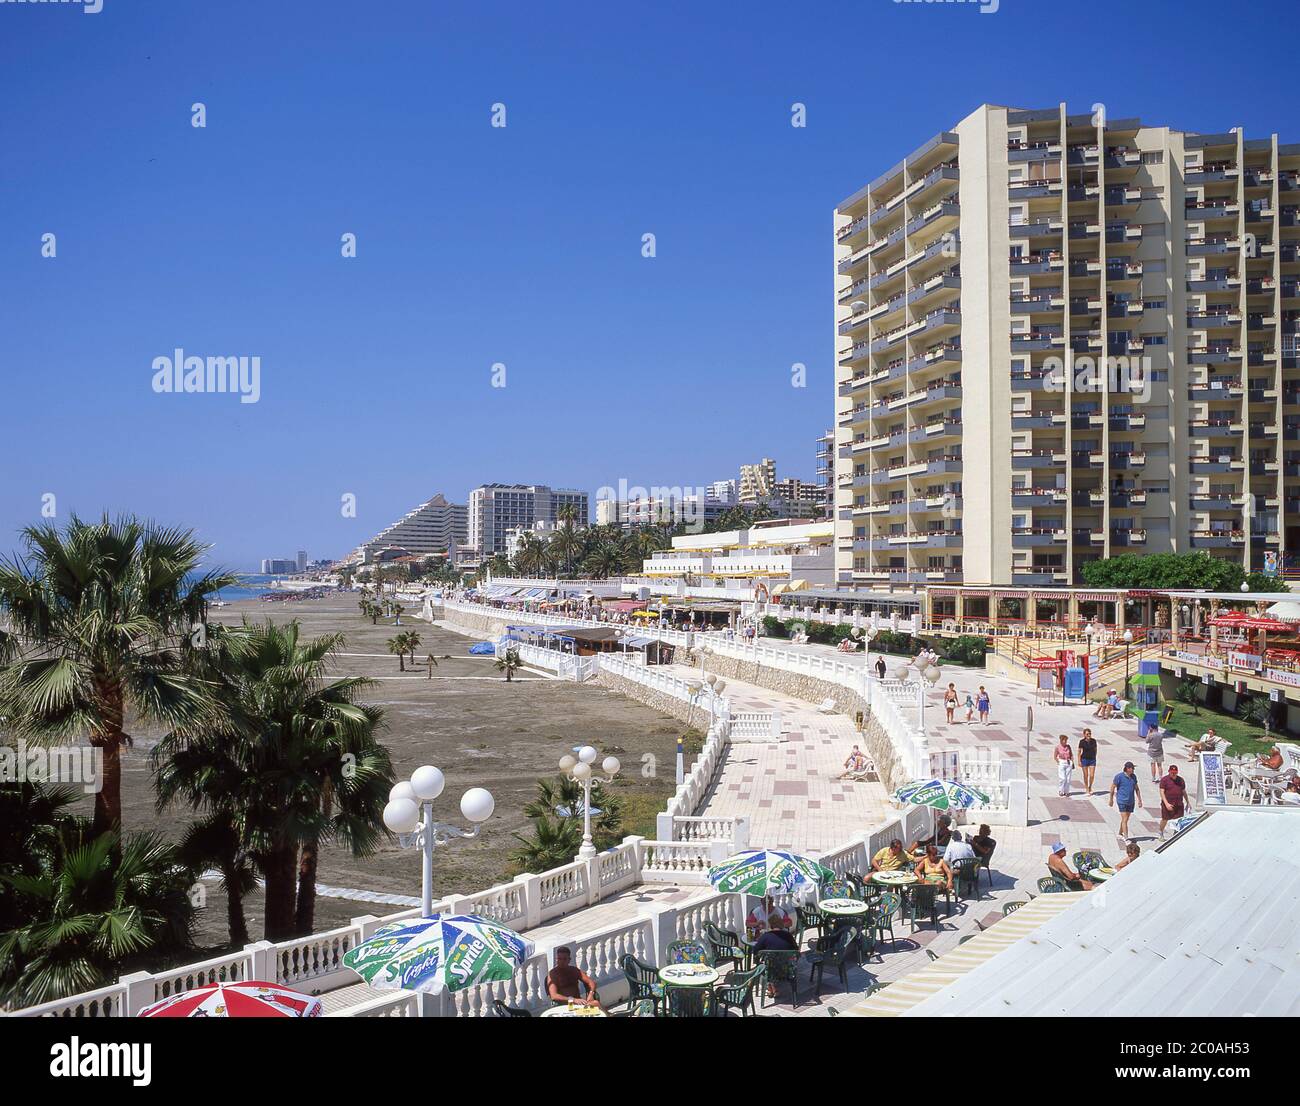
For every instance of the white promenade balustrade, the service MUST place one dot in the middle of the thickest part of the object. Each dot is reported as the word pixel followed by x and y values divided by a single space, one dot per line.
pixel 689 844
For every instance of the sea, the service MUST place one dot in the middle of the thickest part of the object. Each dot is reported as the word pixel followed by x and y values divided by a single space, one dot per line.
pixel 249 587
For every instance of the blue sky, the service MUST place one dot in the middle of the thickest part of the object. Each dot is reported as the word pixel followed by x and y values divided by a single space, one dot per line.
pixel 479 245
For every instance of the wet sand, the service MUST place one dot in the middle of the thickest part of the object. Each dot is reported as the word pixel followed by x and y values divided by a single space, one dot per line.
pixel 468 721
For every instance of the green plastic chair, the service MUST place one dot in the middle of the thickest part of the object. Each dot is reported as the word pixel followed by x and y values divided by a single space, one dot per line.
pixel 923 898
pixel 782 966
pixel 642 981
pixel 1085 860
pixel 1011 907
pixel 808 918
pixel 883 915
pixel 832 952
pixel 966 873
pixel 686 1002
pixel 1050 885
pixel 736 992
pixel 689 952
pixel 725 946
pixel 838 889
pixel 504 1011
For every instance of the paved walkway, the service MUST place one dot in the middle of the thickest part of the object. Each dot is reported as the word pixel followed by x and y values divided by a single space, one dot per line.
pixel 788 789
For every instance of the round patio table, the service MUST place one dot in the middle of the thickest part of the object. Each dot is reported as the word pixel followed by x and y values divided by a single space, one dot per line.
pixel 574 1011
pixel 1101 875
pixel 689 975
pixel 843 907
pixel 893 879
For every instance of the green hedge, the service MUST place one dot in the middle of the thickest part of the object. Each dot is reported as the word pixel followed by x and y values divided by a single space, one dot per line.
pixel 967 649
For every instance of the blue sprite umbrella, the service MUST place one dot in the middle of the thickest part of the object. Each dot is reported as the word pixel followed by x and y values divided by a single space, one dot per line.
pixel 446 952
pixel 940 794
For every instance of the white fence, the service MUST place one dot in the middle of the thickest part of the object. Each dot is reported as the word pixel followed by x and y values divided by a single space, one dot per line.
pixel 566 666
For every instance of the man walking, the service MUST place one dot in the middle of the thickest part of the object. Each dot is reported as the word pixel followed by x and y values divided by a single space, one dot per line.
pixel 1155 752
pixel 1124 787
pixel 1173 791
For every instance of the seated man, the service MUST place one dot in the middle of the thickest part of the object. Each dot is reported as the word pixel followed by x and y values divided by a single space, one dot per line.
pixel 767 915
pixel 891 858
pixel 1058 867
pixel 1273 761
pixel 942 835
pixel 855 765
pixel 565 981
pixel 982 843
pixel 957 850
pixel 1209 739
pixel 777 939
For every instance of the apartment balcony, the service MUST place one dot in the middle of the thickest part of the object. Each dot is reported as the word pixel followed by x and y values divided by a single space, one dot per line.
pixel 1134 460
pixel 1216 501
pixel 1121 157
pixel 1039 577
pixel 1037 420
pixel 1221 463
pixel 1123 233
pixel 1021 152
pixel 1022 459
pixel 1207 320
pixel 1036 230
pixel 1210 209
pixel 1050 262
pixel 935 430
pixel 1038 301
pixel 1211 173
pixel 948 463
pixel 946 317
pixel 1218 284
pixel 1215 428
pixel 1214 355
pixel 1120 536
pixel 1038 497
pixel 1127 422
pixel 1215 539
pixel 1034 380
pixel 1122 499
pixel 1036 340
pixel 1212 245
pixel 1030 537
pixel 1261 467
pixel 942 216
pixel 1034 189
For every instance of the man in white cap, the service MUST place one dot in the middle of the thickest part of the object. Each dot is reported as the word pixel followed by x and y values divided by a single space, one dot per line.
pixel 1058 867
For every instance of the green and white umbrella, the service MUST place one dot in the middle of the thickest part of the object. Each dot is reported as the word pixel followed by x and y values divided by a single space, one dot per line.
pixel 940 794
pixel 767 872
pixel 447 952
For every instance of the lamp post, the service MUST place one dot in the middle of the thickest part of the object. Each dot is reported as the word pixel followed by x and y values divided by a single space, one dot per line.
pixel 1128 640
pixel 402 816
pixel 579 769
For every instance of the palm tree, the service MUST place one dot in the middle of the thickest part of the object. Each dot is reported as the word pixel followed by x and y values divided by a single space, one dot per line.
pixel 565 546
pixel 397 646
pixel 412 643
pixel 310 767
pixel 604 561
pixel 553 843
pixel 530 557
pixel 94 902
pixel 101 615
pixel 509 663
pixel 561 796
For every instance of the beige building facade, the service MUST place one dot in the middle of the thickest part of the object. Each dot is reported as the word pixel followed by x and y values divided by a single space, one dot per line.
pixel 1061 337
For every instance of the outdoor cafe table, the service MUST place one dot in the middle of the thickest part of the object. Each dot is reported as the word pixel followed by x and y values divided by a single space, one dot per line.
pixel 574 1010
pixel 689 975
pixel 893 879
pixel 843 907
pixel 1101 875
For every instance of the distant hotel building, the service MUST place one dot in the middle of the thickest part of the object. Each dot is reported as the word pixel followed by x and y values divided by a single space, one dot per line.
pixel 435 526
pixel 967 275
pixel 495 509
pixel 275 566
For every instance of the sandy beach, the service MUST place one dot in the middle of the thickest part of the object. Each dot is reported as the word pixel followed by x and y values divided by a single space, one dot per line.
pixel 467 720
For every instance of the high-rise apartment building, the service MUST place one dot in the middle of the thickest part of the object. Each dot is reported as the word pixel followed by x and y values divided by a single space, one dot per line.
pixel 757 482
pixel 435 526
pixel 826 472
pixel 1061 337
pixel 496 508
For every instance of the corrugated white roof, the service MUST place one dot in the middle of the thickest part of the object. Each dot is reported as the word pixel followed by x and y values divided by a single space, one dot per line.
pixel 1209 927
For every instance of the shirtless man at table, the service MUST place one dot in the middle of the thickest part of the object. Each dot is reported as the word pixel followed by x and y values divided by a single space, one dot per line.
pixel 565 981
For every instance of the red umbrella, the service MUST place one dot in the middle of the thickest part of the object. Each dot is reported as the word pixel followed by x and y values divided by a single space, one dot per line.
pixel 1230 618
pixel 249 998
pixel 1271 625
